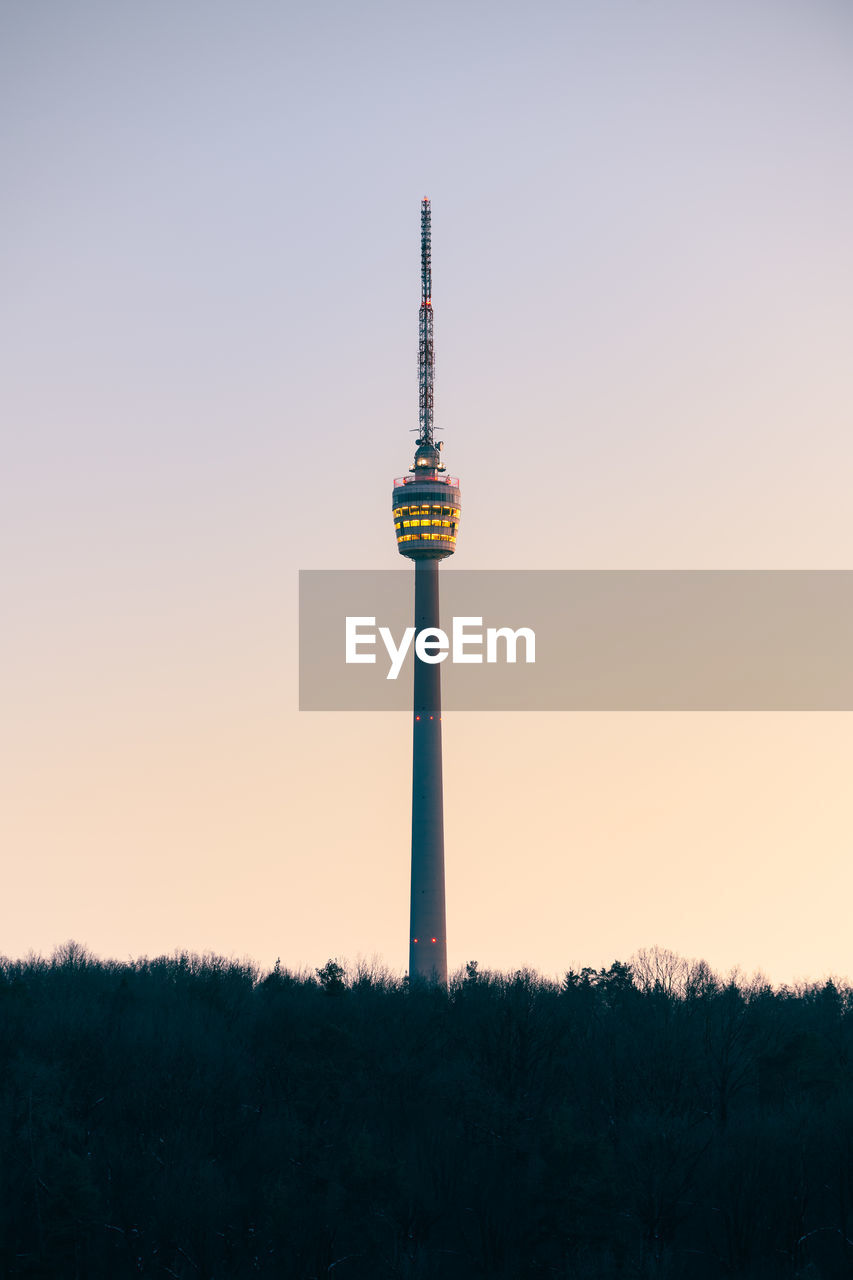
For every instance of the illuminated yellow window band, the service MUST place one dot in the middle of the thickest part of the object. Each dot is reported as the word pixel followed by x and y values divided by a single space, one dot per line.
pixel 426 537
pixel 425 524
pixel 400 512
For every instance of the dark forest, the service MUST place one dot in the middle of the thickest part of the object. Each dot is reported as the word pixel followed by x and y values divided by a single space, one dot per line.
pixel 194 1118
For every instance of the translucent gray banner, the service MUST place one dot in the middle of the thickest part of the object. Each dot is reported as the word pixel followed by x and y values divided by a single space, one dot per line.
pixel 602 640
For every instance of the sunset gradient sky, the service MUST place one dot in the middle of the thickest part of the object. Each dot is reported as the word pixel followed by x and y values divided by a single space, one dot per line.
pixel 643 287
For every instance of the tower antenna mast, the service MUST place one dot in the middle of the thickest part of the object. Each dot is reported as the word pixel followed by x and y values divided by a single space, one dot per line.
pixel 426 351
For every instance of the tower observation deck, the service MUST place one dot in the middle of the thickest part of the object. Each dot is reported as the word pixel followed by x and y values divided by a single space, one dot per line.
pixel 427 507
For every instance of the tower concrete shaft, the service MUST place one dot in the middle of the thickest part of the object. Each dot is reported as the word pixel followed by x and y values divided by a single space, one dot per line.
pixel 428 923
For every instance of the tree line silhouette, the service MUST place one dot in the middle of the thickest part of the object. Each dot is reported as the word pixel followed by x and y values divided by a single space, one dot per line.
pixel 191 1117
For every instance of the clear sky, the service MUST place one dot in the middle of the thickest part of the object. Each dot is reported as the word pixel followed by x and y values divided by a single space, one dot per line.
pixel 643 287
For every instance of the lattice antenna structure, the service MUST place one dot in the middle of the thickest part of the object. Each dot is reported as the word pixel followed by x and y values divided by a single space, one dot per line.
pixel 426 350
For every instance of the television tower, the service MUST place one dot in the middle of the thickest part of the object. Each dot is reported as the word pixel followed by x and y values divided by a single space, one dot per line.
pixel 427 507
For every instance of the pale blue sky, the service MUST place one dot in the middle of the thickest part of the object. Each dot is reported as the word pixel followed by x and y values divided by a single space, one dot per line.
pixel 643 283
